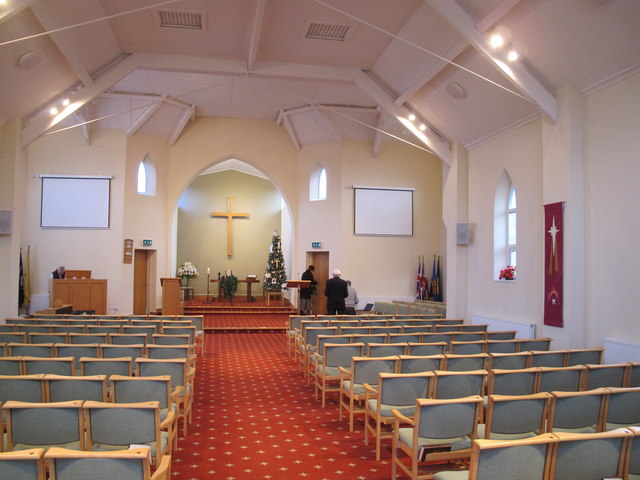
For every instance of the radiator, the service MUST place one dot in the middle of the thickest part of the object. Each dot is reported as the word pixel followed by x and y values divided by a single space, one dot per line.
pixel 619 351
pixel 523 330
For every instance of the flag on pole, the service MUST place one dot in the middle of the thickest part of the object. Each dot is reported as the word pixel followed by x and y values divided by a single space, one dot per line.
pixel 434 281
pixel 423 282
pixel 27 281
pixel 439 293
pixel 21 282
pixel 418 297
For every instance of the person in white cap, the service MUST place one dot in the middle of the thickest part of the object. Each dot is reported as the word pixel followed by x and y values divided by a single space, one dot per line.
pixel 336 291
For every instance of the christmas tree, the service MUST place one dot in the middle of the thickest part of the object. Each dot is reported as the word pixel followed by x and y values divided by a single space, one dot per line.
pixel 274 275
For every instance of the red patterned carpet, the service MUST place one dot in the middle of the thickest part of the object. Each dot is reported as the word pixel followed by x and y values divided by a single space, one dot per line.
pixel 245 321
pixel 255 418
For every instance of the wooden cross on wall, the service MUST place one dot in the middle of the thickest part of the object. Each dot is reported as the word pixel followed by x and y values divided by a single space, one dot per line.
pixel 229 214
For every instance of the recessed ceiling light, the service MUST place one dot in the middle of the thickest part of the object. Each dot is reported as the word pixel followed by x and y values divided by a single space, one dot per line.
pixel 512 56
pixel 412 117
pixel 422 127
pixel 29 59
pixel 65 102
pixel 496 40
pixel 455 90
pixel 53 110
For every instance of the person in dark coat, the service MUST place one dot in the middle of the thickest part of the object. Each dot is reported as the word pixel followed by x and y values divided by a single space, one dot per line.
pixel 336 291
pixel 305 293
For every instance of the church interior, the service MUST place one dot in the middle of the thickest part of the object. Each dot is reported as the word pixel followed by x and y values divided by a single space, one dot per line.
pixel 422 148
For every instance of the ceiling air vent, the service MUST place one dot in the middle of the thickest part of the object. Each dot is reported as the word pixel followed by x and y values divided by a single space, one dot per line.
pixel 186 19
pixel 328 31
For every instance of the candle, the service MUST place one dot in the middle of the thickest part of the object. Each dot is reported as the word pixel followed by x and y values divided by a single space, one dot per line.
pixel 208 270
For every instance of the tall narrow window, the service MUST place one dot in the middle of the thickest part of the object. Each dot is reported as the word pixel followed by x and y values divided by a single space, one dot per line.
pixel 511 227
pixel 146 182
pixel 504 225
pixel 322 185
pixel 142 178
pixel 318 184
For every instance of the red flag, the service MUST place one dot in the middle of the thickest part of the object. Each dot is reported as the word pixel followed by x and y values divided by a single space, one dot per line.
pixel 553 253
pixel 423 282
pixel 418 290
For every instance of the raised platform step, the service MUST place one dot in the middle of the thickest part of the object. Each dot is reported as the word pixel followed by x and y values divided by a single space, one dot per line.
pixel 253 308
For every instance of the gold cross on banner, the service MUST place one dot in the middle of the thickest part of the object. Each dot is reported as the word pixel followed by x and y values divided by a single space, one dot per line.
pixel 229 214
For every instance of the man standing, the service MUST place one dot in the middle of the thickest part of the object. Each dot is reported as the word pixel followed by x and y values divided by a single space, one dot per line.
pixel 336 291
pixel 305 293
pixel 351 302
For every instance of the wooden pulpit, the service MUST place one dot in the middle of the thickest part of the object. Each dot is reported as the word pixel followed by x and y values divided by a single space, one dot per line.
pixel 171 296
pixel 298 284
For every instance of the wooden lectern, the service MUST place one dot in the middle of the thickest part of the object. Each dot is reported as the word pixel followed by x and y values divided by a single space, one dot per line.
pixel 298 284
pixel 171 288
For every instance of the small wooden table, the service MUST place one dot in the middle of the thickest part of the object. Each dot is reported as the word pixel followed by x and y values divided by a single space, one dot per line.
pixel 248 281
pixel 188 293
pixel 275 295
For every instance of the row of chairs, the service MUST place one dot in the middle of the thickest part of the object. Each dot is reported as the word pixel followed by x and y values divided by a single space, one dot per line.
pixel 507 417
pixel 549 456
pixel 66 464
pixel 43 318
pixel 100 353
pixel 52 349
pixel 97 383
pixel 78 334
pixel 88 425
pixel 404 373
pixel 404 308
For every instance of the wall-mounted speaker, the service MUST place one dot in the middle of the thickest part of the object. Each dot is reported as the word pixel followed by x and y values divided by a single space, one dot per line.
pixel 5 222
pixel 463 233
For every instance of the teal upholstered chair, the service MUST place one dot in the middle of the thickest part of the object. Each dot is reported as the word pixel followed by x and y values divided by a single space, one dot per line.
pixel 509 361
pixel 501 335
pixel 22 465
pixel 385 349
pixel 77 350
pixel 623 408
pixel 328 371
pixel 421 363
pixel 465 363
pixel 427 348
pixel 129 338
pixel 22 388
pixel 514 417
pixel 107 350
pixel 577 412
pixel 115 426
pixel 37 337
pixel 527 459
pixel 11 366
pixel 148 389
pixel 132 464
pixel 633 378
pixel 62 388
pixel 57 366
pixel 634 455
pixel 394 391
pixel 467 348
pixel 364 370
pixel 43 350
pixel 442 429
pixel 502 346
pixel 612 375
pixel 552 358
pixel 513 382
pixel 591 456
pixel 565 379
pixel 404 337
pixel 43 425
pixel 459 384
pixel 584 356
pixel 534 344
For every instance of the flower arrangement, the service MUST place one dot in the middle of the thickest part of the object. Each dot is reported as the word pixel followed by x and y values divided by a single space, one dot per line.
pixel 508 273
pixel 187 270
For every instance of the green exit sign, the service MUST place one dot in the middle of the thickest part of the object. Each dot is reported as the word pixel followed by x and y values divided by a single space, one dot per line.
pixel 316 244
pixel 147 243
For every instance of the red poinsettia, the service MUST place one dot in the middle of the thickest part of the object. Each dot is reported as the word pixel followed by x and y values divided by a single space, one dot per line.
pixel 508 273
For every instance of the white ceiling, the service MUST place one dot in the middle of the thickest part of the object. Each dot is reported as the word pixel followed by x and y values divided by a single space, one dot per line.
pixel 251 60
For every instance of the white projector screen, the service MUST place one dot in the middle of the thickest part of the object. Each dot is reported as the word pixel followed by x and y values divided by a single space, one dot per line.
pixel 75 202
pixel 383 211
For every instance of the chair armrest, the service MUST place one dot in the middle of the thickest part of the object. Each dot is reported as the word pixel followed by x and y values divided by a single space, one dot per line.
pixel 402 419
pixel 163 472
pixel 344 373
pixel 169 420
pixel 369 389
pixel 176 394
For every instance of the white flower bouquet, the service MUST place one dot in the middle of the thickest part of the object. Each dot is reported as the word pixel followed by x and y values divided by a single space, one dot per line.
pixel 187 270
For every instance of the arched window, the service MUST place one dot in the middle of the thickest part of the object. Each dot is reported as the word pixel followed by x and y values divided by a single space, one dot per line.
pixel 318 184
pixel 505 225
pixel 146 178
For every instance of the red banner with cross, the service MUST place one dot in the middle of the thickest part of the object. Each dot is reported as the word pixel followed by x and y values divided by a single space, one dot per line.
pixel 553 245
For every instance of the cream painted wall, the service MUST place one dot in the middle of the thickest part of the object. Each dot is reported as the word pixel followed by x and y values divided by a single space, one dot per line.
pixel 144 215
pixel 386 267
pixel 519 153
pixel 202 239
pixel 96 250
pixel 260 143
pixel 612 143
